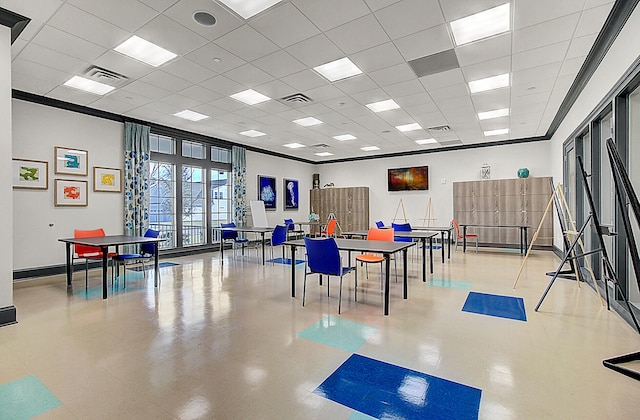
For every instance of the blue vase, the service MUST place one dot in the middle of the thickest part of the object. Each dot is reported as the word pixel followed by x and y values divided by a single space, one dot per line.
pixel 523 173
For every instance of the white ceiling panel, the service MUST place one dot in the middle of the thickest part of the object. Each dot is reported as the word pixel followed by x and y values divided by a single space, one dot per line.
pixel 279 64
pixel 285 25
pixel 528 13
pixel 215 58
pixel 315 51
pixel 410 16
pixel 540 56
pixel 84 25
pixel 545 33
pixel 182 12
pixel 248 75
pixel 188 70
pixel 327 14
pixel 170 35
pixel 580 47
pixel 392 75
pixel 247 43
pixel 377 58
pixel 48 57
pixel 166 81
pixel 370 34
pixel 137 13
pixel 481 51
pixel 591 20
pixel 68 44
pixel 40 10
pixel 427 42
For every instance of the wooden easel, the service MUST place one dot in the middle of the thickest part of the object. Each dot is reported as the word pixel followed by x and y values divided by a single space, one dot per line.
pixel 428 215
pixel 395 216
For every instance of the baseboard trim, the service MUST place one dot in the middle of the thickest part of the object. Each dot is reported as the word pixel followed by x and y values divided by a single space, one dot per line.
pixel 8 316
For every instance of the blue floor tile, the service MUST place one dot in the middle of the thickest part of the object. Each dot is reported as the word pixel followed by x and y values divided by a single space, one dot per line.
pixel 450 284
pixel 340 333
pixel 25 398
pixel 495 305
pixel 135 281
pixel 386 391
pixel 360 416
pixel 286 261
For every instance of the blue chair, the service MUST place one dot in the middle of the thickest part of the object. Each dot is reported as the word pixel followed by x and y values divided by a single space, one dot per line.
pixel 147 251
pixel 232 235
pixel 323 258
pixel 401 227
pixel 278 237
pixel 291 229
pixel 379 224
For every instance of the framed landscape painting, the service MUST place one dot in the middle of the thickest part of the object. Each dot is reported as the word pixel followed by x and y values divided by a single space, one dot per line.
pixel 290 194
pixel 267 191
pixel 33 174
pixel 107 179
pixel 70 161
pixel 70 192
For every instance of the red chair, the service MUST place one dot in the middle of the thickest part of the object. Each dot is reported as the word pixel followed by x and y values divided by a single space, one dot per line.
pixel 330 230
pixel 459 235
pixel 377 235
pixel 88 252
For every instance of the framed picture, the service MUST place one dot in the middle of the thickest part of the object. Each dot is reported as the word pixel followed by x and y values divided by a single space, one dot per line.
pixel 107 179
pixel 267 191
pixel 32 174
pixel 290 194
pixel 71 161
pixel 70 192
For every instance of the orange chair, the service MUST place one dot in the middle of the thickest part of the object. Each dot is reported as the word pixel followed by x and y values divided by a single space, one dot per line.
pixel 88 252
pixel 330 230
pixel 459 235
pixel 376 234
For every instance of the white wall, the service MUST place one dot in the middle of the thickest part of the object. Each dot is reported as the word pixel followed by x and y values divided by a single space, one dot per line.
pixel 260 164
pixel 6 208
pixel 452 166
pixel 37 129
pixel 624 51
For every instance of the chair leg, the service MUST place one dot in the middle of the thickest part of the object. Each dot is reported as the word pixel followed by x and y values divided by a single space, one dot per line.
pixel 304 287
pixel 340 295
pixel 476 244
pixel 86 273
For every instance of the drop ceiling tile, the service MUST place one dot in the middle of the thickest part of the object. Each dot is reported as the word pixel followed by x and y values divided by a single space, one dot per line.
pixel 146 89
pixel 159 5
pixel 247 43
pixel 427 42
pixel 324 93
pixel 134 99
pixel 188 70
pixel 421 99
pixel 38 71
pixel 315 51
pixel 136 15
pixel 170 35
pixel 248 75
pixel 84 25
pixel 328 14
pixel 370 34
pixel 279 64
pixel 418 112
pixel 404 88
pixel 30 84
pixel 443 79
pixel 274 89
pixel 215 58
pixel 379 4
pixel 492 100
pixel 41 10
pixel 539 86
pixel 487 69
pixel 17 47
pixel 456 9
pixel 75 96
pixel 370 96
pixel 572 66
pixel 355 112
pixel 481 51
pixel 109 104
pixel 182 12
pixel 132 69
pixel 580 47
pixel 250 113
pixel 272 107
pixel 591 20
pixel 166 108
pixel 227 104
pixel 180 102
pixel 223 85
pixel 545 33
pixel 68 44
pixel 356 84
pixel 378 57
pixel 304 80
pixel 392 75
pixel 285 25
pixel 528 13
pixel 531 75
pixel 409 17
pixel 448 92
pixel 145 114
pixel 540 56
pixel 166 81
pixel 50 58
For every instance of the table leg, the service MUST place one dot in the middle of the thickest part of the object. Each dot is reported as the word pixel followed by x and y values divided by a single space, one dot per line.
pixel 405 280
pixel 464 238
pixel 105 253
pixel 449 244
pixel 293 271
pixel 69 274
pixel 262 248
pixel 442 244
pixel 156 266
pixel 526 240
pixel 387 262
pixel 430 254
pixel 221 250
pixel 424 257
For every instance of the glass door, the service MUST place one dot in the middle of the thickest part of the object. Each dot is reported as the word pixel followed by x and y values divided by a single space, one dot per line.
pixel 634 175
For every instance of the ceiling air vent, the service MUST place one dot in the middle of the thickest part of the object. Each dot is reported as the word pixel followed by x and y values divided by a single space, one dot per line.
pixel 108 77
pixel 296 99
pixel 440 128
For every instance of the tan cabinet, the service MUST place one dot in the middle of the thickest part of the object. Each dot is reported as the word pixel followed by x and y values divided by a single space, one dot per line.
pixel 505 202
pixel 349 205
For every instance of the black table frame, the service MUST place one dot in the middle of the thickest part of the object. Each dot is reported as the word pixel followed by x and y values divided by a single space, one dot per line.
pixel 252 229
pixel 385 248
pixel 104 242
pixel 523 234
pixel 442 229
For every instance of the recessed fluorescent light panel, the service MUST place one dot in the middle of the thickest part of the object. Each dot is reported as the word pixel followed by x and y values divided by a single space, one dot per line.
pixel 481 25
pixel 248 8
pixel 252 133
pixel 323 154
pixel 338 70
pixel 250 97
pixel 344 137
pixel 294 145
pixel 307 122
pixel 409 127
pixel 490 83
pixel 383 105
pixel 145 51
pixel 88 85
pixel 370 148
pixel 496 132
pixel 426 141
pixel 191 115
pixel 504 112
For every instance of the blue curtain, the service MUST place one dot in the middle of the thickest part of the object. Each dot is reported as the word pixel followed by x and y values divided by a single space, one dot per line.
pixel 136 179
pixel 239 185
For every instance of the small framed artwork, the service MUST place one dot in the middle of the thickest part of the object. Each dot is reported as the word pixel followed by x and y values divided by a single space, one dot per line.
pixel 71 161
pixel 290 194
pixel 107 179
pixel 70 192
pixel 32 174
pixel 267 191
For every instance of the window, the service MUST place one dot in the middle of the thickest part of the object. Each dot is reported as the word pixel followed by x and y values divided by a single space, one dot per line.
pixel 162 144
pixel 193 150
pixel 162 197
pixel 220 202
pixel 193 206
pixel 220 155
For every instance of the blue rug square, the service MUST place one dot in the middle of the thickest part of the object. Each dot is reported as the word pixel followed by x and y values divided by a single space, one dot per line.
pixel 495 305
pixel 385 391
pixel 339 333
pixel 25 398
pixel 286 261
pixel 450 284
